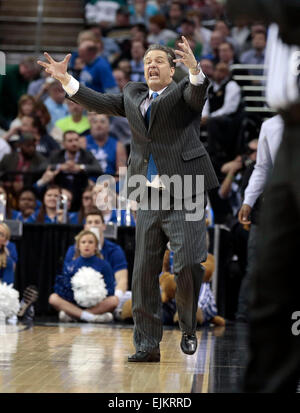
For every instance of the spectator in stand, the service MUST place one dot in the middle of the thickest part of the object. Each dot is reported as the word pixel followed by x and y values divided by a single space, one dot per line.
pixel 71 167
pixel 14 84
pixel 210 9
pixel 87 255
pixel 112 252
pixel 26 106
pixel 187 29
pixel 256 55
pixel 137 62
pixel 110 48
pixel 119 126
pixel 139 32
pixel 76 64
pixel 158 32
pixel 202 34
pixel 42 113
pixel 125 66
pixel 86 205
pixel 141 11
pixel 97 72
pixel 176 14
pixel 240 33
pixel 76 121
pixel 216 39
pixel 163 7
pixel 39 87
pixel 220 113
pixel 27 206
pixel 207 67
pixel 26 160
pixel 223 27
pixel 45 144
pixel 49 212
pixel 55 103
pixel 120 31
pixel 110 153
pixel 226 54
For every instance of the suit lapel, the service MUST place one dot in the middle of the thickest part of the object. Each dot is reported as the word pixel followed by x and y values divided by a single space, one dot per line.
pixel 142 96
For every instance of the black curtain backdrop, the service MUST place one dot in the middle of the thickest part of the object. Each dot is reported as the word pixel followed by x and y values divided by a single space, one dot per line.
pixel 41 253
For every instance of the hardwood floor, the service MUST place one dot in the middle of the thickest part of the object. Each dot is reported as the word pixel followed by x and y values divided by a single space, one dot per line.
pixel 88 358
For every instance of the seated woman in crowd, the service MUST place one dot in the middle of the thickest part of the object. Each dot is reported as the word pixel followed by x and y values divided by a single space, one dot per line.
pixel 87 255
pixel 50 211
pixel 86 207
pixel 26 106
pixel 27 206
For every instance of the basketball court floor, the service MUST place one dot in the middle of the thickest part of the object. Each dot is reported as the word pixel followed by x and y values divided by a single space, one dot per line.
pixel 52 357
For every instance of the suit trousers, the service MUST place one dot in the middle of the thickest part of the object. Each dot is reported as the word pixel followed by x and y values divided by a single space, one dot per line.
pixel 274 359
pixel 154 228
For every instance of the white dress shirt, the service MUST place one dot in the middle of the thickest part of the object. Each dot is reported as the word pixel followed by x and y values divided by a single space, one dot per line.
pixel 72 87
pixel 281 70
pixel 268 143
pixel 231 101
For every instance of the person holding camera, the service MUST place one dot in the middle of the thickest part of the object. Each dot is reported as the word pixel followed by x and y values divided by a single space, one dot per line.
pixel 71 167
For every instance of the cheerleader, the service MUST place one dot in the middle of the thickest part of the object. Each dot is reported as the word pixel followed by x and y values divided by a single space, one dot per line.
pixel 64 297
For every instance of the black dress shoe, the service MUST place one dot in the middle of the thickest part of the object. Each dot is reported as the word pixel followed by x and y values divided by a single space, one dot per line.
pixel 188 343
pixel 145 356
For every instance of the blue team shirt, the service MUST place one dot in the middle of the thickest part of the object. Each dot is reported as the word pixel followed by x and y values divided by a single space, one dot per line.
pixel 7 273
pixel 63 286
pixel 11 246
pixel 98 75
pixel 111 252
pixel 106 155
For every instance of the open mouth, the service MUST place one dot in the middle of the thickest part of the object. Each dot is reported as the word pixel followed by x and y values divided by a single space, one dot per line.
pixel 153 75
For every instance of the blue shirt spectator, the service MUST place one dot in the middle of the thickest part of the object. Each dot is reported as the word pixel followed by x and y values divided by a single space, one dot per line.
pixel 98 76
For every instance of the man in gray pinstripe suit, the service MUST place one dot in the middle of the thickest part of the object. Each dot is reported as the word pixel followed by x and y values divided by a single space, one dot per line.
pixel 165 143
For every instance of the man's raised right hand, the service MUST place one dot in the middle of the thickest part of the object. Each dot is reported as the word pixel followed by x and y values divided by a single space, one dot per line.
pixel 58 70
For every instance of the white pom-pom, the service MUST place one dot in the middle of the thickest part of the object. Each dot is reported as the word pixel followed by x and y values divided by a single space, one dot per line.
pixel 89 287
pixel 9 300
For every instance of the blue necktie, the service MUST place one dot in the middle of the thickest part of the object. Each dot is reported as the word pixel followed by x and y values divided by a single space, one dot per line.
pixel 152 170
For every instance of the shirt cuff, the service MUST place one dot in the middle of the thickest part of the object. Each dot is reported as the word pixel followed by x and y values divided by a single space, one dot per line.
pixel 197 79
pixel 250 200
pixel 72 87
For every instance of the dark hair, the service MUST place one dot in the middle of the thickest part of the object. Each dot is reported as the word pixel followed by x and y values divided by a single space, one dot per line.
pixel 69 131
pixel 95 211
pixel 40 106
pixel 42 212
pixel 169 52
pixel 36 123
pixel 229 44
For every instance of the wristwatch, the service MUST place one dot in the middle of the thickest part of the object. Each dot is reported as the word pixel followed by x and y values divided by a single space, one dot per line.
pixel 82 167
pixel 197 68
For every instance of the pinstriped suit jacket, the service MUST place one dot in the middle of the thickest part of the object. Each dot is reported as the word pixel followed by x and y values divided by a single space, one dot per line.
pixel 173 133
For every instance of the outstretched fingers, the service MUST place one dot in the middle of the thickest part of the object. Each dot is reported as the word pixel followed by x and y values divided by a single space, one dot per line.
pixel 49 58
